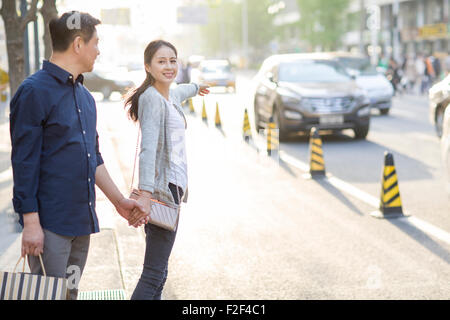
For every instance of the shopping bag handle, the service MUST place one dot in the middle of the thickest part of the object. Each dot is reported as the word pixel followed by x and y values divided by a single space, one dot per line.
pixel 23 267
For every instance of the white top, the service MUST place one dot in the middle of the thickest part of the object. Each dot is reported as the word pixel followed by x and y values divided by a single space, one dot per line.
pixel 178 160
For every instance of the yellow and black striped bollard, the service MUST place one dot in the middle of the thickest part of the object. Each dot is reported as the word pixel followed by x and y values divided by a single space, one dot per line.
pixel 217 119
pixel 316 161
pixel 247 131
pixel 191 106
pixel 390 202
pixel 272 137
pixel 204 116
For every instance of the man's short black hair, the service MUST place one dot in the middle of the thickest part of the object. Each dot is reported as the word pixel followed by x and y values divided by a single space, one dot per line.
pixel 65 29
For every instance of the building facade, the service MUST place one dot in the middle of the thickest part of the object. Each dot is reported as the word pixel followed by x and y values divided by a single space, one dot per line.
pixel 421 26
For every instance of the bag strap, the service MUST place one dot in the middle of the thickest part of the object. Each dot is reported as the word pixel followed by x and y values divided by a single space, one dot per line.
pixel 135 157
pixel 23 267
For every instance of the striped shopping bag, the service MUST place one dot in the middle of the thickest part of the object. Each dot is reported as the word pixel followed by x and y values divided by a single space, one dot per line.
pixel 27 286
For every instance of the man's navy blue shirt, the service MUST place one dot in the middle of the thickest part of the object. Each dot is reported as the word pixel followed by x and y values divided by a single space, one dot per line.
pixel 55 151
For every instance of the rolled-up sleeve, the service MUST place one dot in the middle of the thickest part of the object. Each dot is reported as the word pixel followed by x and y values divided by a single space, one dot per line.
pixel 26 130
pixel 97 151
pixel 150 114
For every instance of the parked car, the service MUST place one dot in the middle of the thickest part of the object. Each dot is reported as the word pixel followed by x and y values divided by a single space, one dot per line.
pixel 439 99
pixel 215 73
pixel 445 145
pixel 301 91
pixel 376 84
pixel 106 83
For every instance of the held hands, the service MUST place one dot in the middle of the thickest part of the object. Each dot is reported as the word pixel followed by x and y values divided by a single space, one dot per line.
pixel 138 218
pixel 134 210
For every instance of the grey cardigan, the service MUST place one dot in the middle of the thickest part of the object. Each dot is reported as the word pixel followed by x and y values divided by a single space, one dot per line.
pixel 156 148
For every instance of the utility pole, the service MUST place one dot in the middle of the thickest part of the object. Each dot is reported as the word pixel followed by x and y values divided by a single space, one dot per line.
pixel 362 25
pixel 395 32
pixel 373 24
pixel 23 12
pixel 245 32
pixel 37 56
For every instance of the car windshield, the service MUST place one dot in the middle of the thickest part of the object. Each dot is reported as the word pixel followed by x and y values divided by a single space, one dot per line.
pixel 312 71
pixel 212 68
pixel 361 65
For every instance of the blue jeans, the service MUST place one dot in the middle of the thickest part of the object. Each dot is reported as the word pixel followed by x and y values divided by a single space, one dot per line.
pixel 159 243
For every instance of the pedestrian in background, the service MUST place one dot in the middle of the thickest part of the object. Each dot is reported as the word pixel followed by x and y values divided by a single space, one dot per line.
pixel 162 160
pixel 421 77
pixel 447 65
pixel 410 73
pixel 55 156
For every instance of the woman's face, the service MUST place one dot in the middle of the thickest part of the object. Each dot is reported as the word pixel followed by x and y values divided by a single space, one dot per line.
pixel 164 66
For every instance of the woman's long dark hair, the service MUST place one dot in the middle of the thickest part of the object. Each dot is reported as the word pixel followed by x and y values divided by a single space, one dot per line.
pixel 132 97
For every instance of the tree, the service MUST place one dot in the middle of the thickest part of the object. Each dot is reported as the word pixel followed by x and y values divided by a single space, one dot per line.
pixel 48 12
pixel 223 33
pixel 322 22
pixel 14 28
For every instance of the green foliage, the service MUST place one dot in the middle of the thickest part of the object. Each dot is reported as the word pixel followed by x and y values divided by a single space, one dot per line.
pixel 223 33
pixel 322 22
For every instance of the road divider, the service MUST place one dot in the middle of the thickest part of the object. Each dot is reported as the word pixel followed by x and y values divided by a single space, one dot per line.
pixel 218 123
pixel 316 160
pixel 191 106
pixel 204 115
pixel 272 137
pixel 246 130
pixel 390 202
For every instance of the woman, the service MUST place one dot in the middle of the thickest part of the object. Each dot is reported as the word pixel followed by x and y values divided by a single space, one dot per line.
pixel 162 160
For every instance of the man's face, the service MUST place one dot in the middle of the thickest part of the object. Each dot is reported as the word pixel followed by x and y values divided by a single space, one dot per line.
pixel 89 52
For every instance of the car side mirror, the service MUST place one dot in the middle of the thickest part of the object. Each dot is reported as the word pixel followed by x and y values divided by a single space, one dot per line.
pixel 270 76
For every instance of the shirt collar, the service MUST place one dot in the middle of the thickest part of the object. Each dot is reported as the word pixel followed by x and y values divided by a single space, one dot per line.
pixel 59 73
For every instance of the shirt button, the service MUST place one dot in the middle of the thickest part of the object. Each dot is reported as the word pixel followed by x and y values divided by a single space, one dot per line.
pixel 79 110
pixel 84 132
pixel 89 179
pixel 90 204
pixel 89 155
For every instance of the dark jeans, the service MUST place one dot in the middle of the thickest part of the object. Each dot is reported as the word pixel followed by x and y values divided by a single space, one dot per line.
pixel 158 248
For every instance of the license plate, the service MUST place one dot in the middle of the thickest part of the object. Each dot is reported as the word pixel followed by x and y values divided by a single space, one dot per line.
pixel 334 119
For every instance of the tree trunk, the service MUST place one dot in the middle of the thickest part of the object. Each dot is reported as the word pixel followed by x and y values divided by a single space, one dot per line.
pixel 14 29
pixel 48 12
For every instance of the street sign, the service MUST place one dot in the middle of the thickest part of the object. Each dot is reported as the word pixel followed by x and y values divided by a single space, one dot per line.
pixel 192 15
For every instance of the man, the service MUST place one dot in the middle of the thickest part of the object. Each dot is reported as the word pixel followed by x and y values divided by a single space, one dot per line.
pixel 55 153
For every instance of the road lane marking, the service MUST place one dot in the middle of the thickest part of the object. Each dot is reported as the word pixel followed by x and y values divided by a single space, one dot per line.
pixel 370 200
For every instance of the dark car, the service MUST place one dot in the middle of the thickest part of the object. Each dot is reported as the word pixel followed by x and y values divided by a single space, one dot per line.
pixel 215 73
pixel 439 99
pixel 106 83
pixel 301 91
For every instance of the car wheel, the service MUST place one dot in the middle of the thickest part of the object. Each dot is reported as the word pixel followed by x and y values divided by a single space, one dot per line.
pixel 361 132
pixel 106 91
pixel 384 111
pixel 439 121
